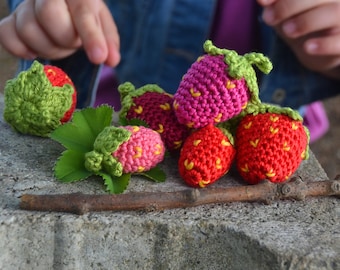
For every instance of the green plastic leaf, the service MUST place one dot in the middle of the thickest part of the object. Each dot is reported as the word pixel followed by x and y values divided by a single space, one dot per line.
pixel 70 167
pixel 80 134
pixel 115 185
pixel 156 174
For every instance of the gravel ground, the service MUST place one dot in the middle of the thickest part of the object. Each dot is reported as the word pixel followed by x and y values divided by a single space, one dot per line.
pixel 326 149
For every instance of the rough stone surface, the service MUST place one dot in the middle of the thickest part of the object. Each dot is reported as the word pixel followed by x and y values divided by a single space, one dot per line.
pixel 282 235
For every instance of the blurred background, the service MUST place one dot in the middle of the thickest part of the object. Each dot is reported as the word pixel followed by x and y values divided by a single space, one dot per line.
pixel 326 149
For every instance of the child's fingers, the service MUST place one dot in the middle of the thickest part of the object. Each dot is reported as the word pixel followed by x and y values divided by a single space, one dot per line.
pixel 11 41
pixel 112 38
pixel 54 17
pixel 282 10
pixel 89 28
pixel 313 20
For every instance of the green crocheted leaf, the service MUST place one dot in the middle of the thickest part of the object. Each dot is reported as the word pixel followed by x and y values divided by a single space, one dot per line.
pixel 156 174
pixel 115 185
pixel 70 167
pixel 80 134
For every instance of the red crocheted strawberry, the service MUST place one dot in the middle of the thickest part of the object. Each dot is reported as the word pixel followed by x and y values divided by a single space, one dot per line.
pixel 152 105
pixel 218 86
pixel 39 99
pixel 206 155
pixel 271 143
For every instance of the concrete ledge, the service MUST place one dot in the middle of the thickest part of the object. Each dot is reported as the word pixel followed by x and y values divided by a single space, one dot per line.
pixel 282 235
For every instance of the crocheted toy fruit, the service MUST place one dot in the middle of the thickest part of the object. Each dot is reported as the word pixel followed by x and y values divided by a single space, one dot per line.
pixel 129 149
pixel 39 99
pixel 206 155
pixel 270 142
pixel 95 147
pixel 218 86
pixel 153 106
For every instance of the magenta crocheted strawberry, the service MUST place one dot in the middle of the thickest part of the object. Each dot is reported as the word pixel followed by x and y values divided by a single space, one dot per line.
pixel 271 142
pixel 206 156
pixel 39 100
pixel 152 105
pixel 218 86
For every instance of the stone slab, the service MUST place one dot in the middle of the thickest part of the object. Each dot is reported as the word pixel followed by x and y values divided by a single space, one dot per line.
pixel 282 235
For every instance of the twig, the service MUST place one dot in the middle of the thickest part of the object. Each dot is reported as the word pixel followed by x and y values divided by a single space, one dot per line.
pixel 79 203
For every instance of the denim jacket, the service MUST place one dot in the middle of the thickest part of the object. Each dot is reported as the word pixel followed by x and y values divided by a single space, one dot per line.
pixel 161 39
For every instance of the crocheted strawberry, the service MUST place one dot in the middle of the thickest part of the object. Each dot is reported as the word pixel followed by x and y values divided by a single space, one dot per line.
pixel 218 86
pixel 152 105
pixel 95 147
pixel 206 155
pixel 271 142
pixel 39 99
pixel 129 149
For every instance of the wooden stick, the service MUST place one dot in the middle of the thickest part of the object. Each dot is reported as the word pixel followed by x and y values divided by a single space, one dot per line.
pixel 79 203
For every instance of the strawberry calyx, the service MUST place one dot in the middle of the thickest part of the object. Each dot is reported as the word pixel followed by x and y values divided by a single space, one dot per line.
pixel 128 92
pixel 241 66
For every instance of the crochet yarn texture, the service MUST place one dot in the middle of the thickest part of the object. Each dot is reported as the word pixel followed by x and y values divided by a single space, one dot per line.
pixel 154 106
pixel 129 149
pixel 39 99
pixel 218 86
pixel 207 155
pixel 270 146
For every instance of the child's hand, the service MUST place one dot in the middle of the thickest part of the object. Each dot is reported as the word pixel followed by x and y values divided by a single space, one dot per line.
pixel 54 29
pixel 311 28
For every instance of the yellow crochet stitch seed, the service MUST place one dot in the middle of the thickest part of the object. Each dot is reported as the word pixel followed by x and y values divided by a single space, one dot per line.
pixel 139 110
pixel 177 144
pixel 245 168
pixel 218 164
pixel 159 149
pixel 175 105
pixel 273 118
pixel 140 169
pixel 273 130
pixel 203 183
pixel 271 173
pixel 165 107
pixel 294 126
pixel 217 119
pixel 254 143
pixel 248 125
pixel 188 165
pixel 286 147
pixel 194 93
pixel 135 129
pixel 225 143
pixel 196 142
pixel 230 85
pixel 160 128
pixel 139 152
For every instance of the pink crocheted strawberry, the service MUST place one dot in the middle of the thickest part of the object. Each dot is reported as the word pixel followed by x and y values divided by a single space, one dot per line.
pixel 152 105
pixel 39 99
pixel 129 149
pixel 271 142
pixel 206 156
pixel 218 86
